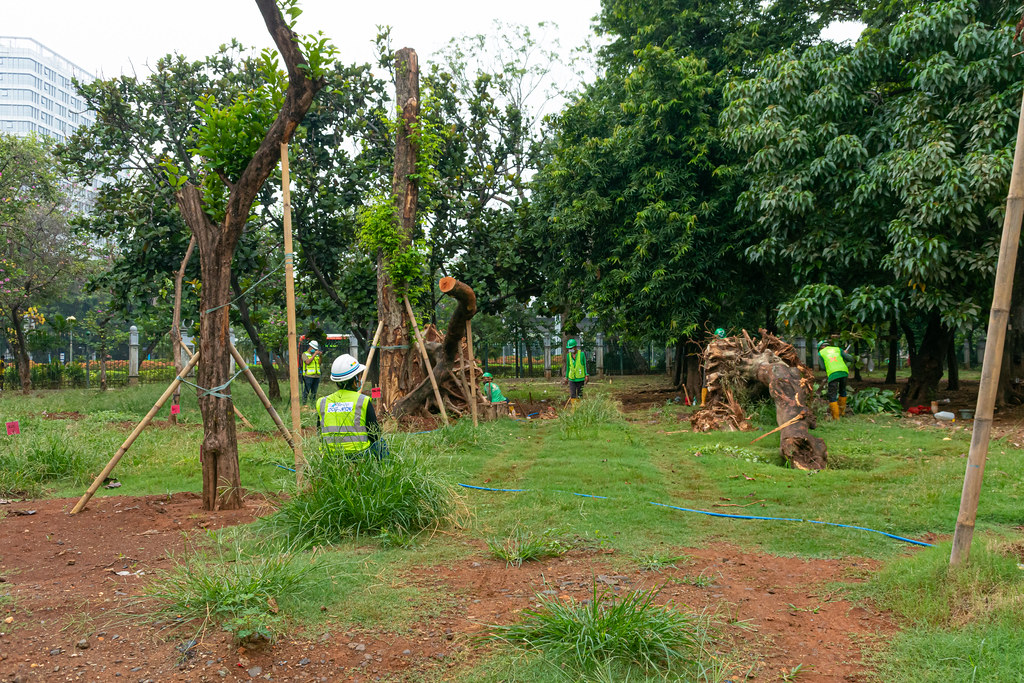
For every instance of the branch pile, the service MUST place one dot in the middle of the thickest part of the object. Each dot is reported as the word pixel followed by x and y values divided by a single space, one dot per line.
pixel 737 362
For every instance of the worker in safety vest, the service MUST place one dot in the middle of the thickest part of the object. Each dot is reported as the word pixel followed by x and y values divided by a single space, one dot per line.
pixel 719 334
pixel 835 360
pixel 346 419
pixel 490 391
pixel 575 369
pixel 311 371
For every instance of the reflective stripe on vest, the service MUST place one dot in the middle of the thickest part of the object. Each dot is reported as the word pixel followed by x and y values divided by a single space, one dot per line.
pixel 312 368
pixel 834 362
pixel 577 366
pixel 343 422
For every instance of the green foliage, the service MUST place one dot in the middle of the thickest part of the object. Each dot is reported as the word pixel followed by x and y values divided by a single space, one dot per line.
pixel 379 232
pixel 580 421
pixel 523 545
pixel 401 494
pixel 873 401
pixel 31 460
pixel 612 632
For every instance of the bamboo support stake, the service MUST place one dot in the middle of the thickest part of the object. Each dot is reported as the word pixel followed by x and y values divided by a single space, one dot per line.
pixel 254 383
pixel 134 435
pixel 472 368
pixel 370 355
pixel 780 427
pixel 990 368
pixel 426 359
pixel 238 413
pixel 289 293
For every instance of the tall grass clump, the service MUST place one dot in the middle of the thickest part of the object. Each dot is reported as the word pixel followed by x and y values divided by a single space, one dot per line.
pixel 402 494
pixel 239 592
pixel 616 636
pixel 33 461
pixel 523 545
pixel 579 421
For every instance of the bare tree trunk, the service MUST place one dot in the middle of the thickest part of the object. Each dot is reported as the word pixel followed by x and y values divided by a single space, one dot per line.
pixel 952 364
pixel 894 353
pixel 175 333
pixel 103 364
pixel 693 355
pixel 20 350
pixel 274 392
pixel 394 362
pixel 926 364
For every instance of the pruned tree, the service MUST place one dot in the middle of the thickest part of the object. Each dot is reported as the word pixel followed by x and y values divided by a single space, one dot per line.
pixel 734 364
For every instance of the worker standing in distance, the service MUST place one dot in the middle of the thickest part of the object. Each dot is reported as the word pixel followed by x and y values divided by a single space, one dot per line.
pixel 490 390
pixel 346 419
pixel 311 371
pixel 835 360
pixel 575 369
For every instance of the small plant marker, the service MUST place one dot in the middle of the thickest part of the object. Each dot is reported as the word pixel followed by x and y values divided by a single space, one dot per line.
pixel 13 428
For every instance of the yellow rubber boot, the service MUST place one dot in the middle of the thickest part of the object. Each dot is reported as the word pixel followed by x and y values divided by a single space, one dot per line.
pixel 842 406
pixel 703 396
pixel 833 408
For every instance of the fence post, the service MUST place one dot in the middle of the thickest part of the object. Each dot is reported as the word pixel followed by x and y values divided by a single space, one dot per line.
pixel 547 357
pixel 600 355
pixel 353 346
pixel 133 356
pixel 86 367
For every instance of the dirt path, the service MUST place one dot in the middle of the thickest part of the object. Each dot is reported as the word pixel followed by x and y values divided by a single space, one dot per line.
pixel 72 583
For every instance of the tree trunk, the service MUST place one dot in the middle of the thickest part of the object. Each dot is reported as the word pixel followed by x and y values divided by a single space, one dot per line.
pixel 21 359
pixel 952 364
pixel 894 353
pixel 926 364
pixel 693 365
pixel 681 361
pixel 395 363
pixel 274 393
pixel 856 364
pixel 529 359
pixel 175 333
pixel 103 364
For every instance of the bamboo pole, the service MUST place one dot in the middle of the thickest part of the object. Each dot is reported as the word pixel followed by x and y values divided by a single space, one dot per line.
pixel 472 367
pixel 238 413
pixel 254 383
pixel 134 435
pixel 370 355
pixel 426 359
pixel 289 293
pixel 990 368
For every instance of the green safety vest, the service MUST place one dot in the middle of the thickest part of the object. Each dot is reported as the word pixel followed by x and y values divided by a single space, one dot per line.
pixel 576 366
pixel 835 366
pixel 493 393
pixel 312 367
pixel 343 422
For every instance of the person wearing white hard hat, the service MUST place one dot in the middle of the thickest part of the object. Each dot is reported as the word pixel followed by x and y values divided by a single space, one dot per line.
pixel 346 419
pixel 311 371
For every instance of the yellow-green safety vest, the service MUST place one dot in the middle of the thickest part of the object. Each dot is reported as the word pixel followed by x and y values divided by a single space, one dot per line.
pixel 312 367
pixel 343 422
pixel 577 366
pixel 835 366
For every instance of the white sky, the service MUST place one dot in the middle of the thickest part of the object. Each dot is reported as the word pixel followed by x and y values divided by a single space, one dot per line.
pixel 106 37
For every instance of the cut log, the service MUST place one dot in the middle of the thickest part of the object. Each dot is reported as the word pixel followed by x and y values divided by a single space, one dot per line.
pixel 740 362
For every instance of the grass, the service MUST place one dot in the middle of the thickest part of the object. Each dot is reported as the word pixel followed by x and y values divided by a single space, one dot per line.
pixel 655 562
pixel 618 635
pixel 523 545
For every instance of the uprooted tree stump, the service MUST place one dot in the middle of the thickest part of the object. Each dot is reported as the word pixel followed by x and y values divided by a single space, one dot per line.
pixel 448 355
pixel 737 363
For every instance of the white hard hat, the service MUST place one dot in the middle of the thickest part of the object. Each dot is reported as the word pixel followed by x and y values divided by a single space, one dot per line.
pixel 345 367
pixel 314 345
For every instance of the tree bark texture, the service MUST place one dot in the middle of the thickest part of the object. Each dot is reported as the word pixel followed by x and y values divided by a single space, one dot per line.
pixel 447 356
pixel 1013 348
pixel 274 393
pixel 736 362
pixel 926 364
pixel 21 360
pixel 396 364
pixel 952 364
pixel 219 450
pixel 894 353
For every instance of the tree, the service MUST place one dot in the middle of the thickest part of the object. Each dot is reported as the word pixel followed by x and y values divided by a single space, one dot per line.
pixel 878 173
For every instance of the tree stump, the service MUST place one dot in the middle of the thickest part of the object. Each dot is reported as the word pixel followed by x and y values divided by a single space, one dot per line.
pixel 738 362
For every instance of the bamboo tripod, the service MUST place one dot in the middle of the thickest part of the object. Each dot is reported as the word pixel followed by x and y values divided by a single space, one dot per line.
pixel 175 383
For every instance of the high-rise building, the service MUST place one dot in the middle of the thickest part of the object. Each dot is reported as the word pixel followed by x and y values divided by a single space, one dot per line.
pixel 37 96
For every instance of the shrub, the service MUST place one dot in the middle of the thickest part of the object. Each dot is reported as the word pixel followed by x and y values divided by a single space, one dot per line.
pixel 873 401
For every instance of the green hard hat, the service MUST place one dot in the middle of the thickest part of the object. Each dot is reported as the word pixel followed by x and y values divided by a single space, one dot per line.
pixel 823 343
pixel 720 333
pixel 488 375
pixel 571 344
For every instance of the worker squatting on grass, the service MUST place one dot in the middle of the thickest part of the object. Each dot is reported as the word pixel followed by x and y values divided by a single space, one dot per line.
pixel 346 419
pixel 491 391
pixel 575 369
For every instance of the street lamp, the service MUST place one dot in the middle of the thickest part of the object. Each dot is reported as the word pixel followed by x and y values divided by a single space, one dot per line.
pixel 71 344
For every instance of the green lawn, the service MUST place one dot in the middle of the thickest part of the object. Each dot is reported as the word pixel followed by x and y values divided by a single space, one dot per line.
pixel 888 475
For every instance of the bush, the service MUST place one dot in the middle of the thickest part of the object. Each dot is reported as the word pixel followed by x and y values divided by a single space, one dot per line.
pixel 873 401
pixel 399 495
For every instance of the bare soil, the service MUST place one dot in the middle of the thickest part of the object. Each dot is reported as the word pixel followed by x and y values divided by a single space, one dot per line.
pixel 75 582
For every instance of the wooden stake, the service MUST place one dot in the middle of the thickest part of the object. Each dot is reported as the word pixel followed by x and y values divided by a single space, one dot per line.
pixel 780 427
pixel 369 357
pixel 472 370
pixel 134 435
pixel 254 383
pixel 289 295
pixel 426 359
pixel 238 413
pixel 990 368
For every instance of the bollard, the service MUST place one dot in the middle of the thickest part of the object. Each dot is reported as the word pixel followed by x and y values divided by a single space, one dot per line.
pixel 600 355
pixel 547 357
pixel 133 356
